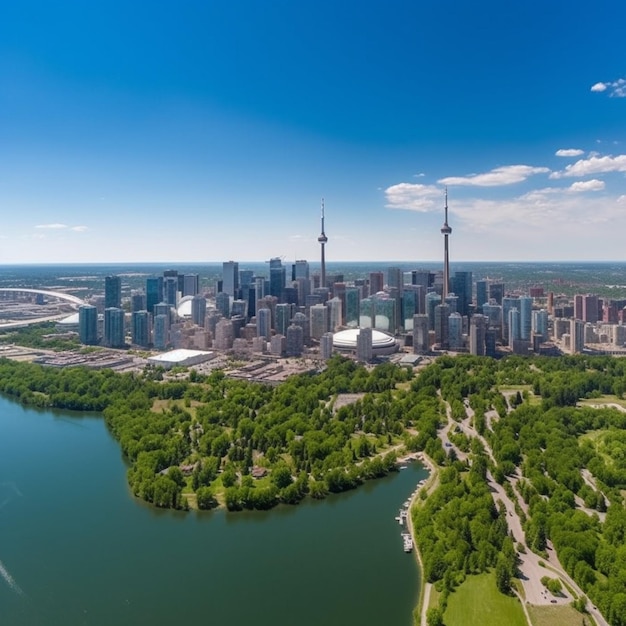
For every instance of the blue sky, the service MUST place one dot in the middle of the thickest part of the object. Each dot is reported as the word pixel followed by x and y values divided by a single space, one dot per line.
pixel 207 131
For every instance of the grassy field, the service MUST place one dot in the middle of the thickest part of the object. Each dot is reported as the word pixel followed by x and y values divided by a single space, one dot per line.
pixel 477 602
pixel 603 400
pixel 563 615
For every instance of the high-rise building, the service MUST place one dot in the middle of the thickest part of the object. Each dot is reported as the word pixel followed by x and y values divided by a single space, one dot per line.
pixel 591 309
pixel 301 270
pixel 278 275
pixel 88 324
pixel 319 321
pixel 367 310
pixel 385 314
pixel 224 335
pixel 295 340
pixel 154 292
pixel 137 301
pixel 364 342
pixel 481 294
pixel 334 314
pixel 410 304
pixel 455 331
pixel 170 287
pixel 508 303
pixel 432 300
pixel 420 333
pixel 496 292
pixel 222 303
pixel 462 288
pixel 578 306
pixel 395 277
pixel 230 278
pixel 478 328
pixel 514 326
pixel 114 327
pixel 526 321
pixel 191 284
pixel 577 336
pixel 326 345
pixel 198 310
pixel 300 319
pixel 284 312
pixel 264 323
pixel 442 312
pixel 353 298
pixel 112 291
pixel 140 328
pixel 377 280
pixel 163 308
pixel 161 334
pixel 239 308
pixel 540 324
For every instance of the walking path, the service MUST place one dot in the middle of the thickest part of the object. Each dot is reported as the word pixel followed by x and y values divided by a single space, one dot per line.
pixel 530 569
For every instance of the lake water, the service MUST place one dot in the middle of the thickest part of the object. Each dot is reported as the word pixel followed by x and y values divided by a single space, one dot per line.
pixel 77 548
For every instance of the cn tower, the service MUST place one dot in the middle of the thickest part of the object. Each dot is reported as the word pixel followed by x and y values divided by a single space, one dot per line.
pixel 323 239
pixel 445 231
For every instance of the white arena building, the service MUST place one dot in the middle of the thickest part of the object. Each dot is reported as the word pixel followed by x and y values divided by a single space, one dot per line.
pixel 382 343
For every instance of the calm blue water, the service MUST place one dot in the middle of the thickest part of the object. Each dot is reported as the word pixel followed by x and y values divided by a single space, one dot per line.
pixel 77 548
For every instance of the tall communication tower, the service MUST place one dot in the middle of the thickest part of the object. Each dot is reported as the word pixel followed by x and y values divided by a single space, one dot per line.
pixel 323 239
pixel 446 231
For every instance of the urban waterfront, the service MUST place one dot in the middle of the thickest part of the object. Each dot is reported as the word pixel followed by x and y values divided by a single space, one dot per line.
pixel 77 548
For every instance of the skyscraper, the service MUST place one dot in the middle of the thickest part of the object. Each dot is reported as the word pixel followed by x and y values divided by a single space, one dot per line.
pixel 112 291
pixel 198 310
pixel 323 239
pixel 114 327
pixel 278 275
pixel 88 324
pixel 462 288
pixel 319 320
pixel 264 323
pixel 420 333
pixel 442 312
pixel 478 328
pixel 364 345
pixel 140 329
pixel 191 284
pixel 526 321
pixel 230 278
pixel 154 292
pixel 481 294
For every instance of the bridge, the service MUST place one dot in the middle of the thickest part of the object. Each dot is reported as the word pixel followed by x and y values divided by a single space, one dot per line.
pixel 51 294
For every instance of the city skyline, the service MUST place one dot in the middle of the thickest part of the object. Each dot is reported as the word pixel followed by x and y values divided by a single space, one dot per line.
pixel 211 133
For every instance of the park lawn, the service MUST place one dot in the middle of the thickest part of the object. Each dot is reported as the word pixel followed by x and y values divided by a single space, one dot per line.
pixel 477 602
pixel 561 615
pixel 608 399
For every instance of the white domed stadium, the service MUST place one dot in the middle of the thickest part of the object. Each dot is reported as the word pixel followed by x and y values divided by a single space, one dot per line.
pixel 382 343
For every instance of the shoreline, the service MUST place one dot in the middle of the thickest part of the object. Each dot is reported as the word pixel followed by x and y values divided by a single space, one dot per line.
pixel 419 612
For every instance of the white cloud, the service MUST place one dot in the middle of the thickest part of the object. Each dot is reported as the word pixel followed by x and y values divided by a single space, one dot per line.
pixel 568 152
pixel 413 196
pixel 506 175
pixel 588 185
pixel 79 229
pixel 616 89
pixel 594 165
pixel 52 226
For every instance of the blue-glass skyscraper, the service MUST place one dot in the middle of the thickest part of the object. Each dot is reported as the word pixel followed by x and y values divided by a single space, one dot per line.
pixel 88 325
